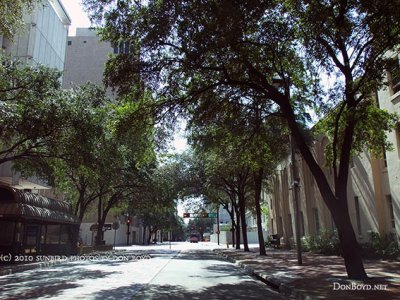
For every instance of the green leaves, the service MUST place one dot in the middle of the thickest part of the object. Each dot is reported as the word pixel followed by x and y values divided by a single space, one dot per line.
pixel 11 15
pixel 370 132
pixel 33 110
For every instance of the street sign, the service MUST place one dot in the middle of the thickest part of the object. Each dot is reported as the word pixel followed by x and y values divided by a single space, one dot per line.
pixel 115 225
pixel 200 215
pixel 94 227
pixel 107 226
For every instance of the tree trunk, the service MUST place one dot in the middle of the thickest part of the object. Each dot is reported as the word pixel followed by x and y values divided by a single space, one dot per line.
pixel 233 230
pixel 336 203
pixel 144 234
pixel 351 249
pixel 237 231
pixel 242 210
pixel 258 175
pixel 99 236
pixel 149 237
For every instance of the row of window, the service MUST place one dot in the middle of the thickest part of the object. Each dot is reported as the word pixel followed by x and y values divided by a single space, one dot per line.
pixel 393 74
pixel 121 48
pixel 317 225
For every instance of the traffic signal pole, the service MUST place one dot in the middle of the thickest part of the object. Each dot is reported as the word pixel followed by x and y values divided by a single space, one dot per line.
pixel 128 223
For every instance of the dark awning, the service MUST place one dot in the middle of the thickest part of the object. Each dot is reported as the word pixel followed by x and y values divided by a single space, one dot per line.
pixel 25 211
pixel 19 204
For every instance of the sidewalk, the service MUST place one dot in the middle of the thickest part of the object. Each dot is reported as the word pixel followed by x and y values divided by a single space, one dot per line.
pixel 320 277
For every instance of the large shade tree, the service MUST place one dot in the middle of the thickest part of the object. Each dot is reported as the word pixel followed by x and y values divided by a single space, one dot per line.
pixel 35 113
pixel 243 129
pixel 273 51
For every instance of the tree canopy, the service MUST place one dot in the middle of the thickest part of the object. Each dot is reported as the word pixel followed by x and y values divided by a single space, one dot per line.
pixel 35 112
pixel 267 50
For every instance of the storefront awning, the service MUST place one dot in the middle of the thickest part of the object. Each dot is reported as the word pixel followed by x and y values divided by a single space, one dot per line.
pixel 25 211
pixel 19 204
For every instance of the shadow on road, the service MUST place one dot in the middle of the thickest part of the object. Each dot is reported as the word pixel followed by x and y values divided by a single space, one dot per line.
pixel 44 283
pixel 244 290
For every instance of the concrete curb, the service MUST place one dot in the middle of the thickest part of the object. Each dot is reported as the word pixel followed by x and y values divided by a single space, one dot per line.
pixel 282 288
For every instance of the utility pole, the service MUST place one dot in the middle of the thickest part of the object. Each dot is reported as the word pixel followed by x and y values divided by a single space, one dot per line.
pixel 295 187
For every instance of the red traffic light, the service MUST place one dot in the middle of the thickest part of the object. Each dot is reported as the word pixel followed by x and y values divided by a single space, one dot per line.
pixel 129 220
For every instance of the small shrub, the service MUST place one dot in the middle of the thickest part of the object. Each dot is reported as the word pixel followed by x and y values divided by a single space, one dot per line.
pixel 326 242
pixel 308 243
pixel 381 246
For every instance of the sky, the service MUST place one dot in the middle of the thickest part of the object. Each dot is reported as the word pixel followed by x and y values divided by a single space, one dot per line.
pixel 78 16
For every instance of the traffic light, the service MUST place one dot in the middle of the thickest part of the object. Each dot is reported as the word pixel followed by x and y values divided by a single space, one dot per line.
pixel 128 221
pixel 186 215
pixel 204 215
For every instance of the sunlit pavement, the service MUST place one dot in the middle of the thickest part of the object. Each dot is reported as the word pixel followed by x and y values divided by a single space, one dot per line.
pixel 320 276
pixel 169 271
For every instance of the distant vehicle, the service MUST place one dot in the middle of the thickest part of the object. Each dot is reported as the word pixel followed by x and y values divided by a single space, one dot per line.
pixel 193 238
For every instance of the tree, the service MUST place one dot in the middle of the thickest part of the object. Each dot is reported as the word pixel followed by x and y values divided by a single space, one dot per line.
pixel 247 47
pixel 243 131
pixel 34 111
pixel 12 13
pixel 162 188
pixel 224 173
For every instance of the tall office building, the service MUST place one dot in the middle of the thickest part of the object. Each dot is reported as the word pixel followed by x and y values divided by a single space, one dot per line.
pixel 85 59
pixel 45 36
pixel 42 42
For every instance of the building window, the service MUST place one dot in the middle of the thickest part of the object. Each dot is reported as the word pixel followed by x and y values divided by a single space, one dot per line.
pixel 393 73
pixel 391 211
pixel 272 227
pixel 316 219
pixel 398 139
pixel 122 48
pixel 69 43
pixel 302 233
pixel 358 219
pixel 384 156
pixel 290 225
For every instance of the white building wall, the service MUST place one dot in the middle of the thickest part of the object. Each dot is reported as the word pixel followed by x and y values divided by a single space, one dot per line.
pixel 391 102
pixel 85 59
pixel 45 37
pixel 135 237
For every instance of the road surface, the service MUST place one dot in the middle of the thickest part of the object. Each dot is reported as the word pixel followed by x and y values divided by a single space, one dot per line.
pixel 186 271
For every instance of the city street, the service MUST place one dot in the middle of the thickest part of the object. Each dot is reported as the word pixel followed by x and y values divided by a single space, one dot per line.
pixel 176 271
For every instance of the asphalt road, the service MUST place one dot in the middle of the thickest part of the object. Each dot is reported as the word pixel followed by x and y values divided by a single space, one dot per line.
pixel 179 271
pixel 200 274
